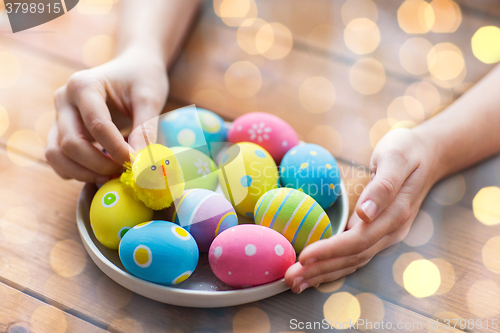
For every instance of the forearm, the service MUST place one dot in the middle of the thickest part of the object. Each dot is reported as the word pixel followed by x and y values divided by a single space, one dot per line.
pixel 468 131
pixel 155 26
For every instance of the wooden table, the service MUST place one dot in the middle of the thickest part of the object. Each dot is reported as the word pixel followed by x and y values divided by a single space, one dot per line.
pixel 340 80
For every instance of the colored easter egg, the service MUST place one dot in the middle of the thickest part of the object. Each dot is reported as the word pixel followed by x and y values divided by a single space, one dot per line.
pixel 193 128
pixel 266 130
pixel 314 170
pixel 160 252
pixel 198 169
pixel 114 211
pixel 295 215
pixel 250 255
pixel 246 172
pixel 205 214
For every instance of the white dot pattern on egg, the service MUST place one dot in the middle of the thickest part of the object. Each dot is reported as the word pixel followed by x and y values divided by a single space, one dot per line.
pixel 250 250
pixel 278 249
pixel 186 137
pixel 218 251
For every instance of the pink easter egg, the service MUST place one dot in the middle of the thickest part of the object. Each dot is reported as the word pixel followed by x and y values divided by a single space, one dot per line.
pixel 269 131
pixel 250 255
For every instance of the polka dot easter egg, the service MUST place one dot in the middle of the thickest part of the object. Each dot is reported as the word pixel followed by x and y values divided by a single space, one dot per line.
pixel 250 255
pixel 205 214
pixel 313 170
pixel 114 211
pixel 246 171
pixel 198 169
pixel 266 130
pixel 159 252
pixel 194 128
pixel 295 215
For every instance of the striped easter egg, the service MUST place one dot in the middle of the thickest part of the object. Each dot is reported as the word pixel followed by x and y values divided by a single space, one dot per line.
pixel 295 215
pixel 204 214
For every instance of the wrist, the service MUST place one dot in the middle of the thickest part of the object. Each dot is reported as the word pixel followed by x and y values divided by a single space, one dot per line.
pixel 432 151
pixel 148 49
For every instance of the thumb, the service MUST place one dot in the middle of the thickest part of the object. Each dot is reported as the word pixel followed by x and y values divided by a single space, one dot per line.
pixel 145 123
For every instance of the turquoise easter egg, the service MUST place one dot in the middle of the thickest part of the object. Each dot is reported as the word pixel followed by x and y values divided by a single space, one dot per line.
pixel 198 169
pixel 313 170
pixel 159 252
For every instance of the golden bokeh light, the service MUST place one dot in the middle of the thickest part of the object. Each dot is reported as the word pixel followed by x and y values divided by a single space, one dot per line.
pixel 486 44
pixel 274 41
pixel 28 142
pixel 246 36
pixel 94 7
pixel 4 120
pixel 485 205
pixel 317 94
pixel 447 274
pixel 428 96
pixel 63 290
pixel 43 125
pixel 367 76
pixel 327 136
pixel 415 16
pixel 379 129
pixel 447 16
pixel 127 324
pixel 362 36
pixel 482 299
pixel 445 61
pixel 405 108
pixel 422 278
pixel 330 287
pixel 372 310
pixel 15 269
pixel 243 79
pixel 97 50
pixel 403 124
pixel 353 9
pixel 449 191
pixel 234 12
pixel 421 230
pixel 111 294
pixel 251 319
pixel 10 69
pixel 47 318
pixel 413 55
pixel 491 254
pixel 19 225
pixel 400 265
pixel 68 258
pixel 341 308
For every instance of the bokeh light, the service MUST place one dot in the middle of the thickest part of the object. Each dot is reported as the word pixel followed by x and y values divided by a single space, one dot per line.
pixel 342 308
pixel 4 120
pixel 405 108
pixel 445 61
pixel 367 76
pixel 94 7
pixel 362 36
pixel 251 319
pixel 111 294
pixel 413 55
pixel 246 36
pixel 274 41
pixel 10 69
pixel 63 290
pixel 491 254
pixel 379 129
pixel 243 79
pixel 421 230
pixel 372 310
pixel 47 318
pixel 330 287
pixel 97 50
pixel 428 96
pixel 234 12
pixel 26 141
pixel 447 274
pixel 400 265
pixel 447 16
pixel 317 94
pixel 15 269
pixel 68 258
pixel 19 225
pixel 449 191
pixel 326 136
pixel 486 44
pixel 415 16
pixel 353 9
pixel 422 278
pixel 482 298
pixel 486 207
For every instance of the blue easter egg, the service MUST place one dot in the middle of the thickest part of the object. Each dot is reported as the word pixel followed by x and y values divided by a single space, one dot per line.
pixel 312 169
pixel 194 128
pixel 160 252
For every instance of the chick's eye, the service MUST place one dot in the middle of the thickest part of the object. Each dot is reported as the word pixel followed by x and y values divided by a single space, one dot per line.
pixel 167 162
pixel 153 167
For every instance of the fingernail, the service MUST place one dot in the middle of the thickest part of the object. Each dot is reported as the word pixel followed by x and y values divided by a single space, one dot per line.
pixel 369 208
pixel 310 261
pixel 101 180
pixel 303 287
pixel 297 281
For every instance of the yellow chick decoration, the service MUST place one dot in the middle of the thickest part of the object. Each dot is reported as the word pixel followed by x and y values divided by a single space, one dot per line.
pixel 155 177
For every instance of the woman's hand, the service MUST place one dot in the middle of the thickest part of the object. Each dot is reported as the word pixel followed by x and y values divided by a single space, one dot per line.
pixel 403 173
pixel 136 83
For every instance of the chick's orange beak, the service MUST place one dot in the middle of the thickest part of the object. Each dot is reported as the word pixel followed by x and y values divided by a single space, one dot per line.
pixel 163 168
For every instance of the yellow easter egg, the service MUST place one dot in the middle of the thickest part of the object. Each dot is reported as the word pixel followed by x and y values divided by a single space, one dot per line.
pixel 246 172
pixel 114 211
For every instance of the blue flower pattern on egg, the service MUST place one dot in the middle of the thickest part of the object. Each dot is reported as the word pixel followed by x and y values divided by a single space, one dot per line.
pixel 159 252
pixel 313 170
